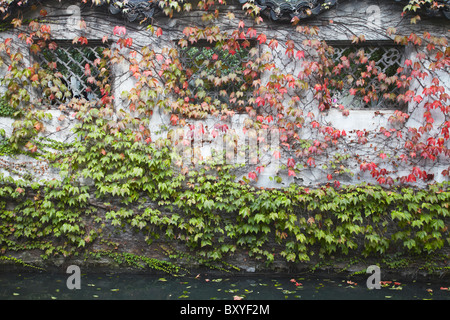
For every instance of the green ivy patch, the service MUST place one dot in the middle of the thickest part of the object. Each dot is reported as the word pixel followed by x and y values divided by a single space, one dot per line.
pixel 208 211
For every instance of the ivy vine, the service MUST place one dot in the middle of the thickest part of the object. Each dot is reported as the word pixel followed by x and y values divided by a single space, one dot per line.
pixel 117 176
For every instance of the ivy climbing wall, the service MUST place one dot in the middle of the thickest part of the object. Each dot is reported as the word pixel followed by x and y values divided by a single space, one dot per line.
pixel 212 136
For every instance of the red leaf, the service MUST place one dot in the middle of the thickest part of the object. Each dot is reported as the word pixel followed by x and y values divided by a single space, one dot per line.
pixel 262 38
pixel 251 33
pixel 119 30
pixel 300 54
pixel 273 44
pixel 315 124
pixel 290 162
pixel 174 119
pixel 411 178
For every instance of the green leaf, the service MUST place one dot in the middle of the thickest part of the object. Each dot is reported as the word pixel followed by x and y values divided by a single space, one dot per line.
pixel 411 243
pixel 259 217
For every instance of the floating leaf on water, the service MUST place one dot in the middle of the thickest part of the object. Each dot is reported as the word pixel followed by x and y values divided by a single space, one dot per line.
pixel 216 280
pixel 162 279
pixel 114 290
pixel 232 290
pixel 91 285
pixel 388 297
pixel 288 292
pixel 15 294
pixel 53 298
pixel 95 296
pixel 396 288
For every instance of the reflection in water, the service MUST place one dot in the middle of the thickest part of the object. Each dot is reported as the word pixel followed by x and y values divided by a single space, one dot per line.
pixel 44 286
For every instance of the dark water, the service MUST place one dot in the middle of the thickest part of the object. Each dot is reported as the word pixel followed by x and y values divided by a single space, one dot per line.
pixel 44 286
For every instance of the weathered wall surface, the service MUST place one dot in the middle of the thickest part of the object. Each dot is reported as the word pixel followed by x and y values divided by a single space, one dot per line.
pixel 366 17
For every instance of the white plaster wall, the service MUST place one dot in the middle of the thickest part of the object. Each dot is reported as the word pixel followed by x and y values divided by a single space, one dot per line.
pixel 363 20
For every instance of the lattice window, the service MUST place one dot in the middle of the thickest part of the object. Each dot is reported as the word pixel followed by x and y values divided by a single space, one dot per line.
pixel 78 69
pixel 218 72
pixel 364 77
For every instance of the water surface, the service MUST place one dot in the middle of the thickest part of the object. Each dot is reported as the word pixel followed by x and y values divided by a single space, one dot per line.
pixel 45 286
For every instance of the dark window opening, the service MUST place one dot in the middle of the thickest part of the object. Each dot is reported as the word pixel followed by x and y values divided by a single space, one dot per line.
pixel 77 69
pixel 219 71
pixel 368 75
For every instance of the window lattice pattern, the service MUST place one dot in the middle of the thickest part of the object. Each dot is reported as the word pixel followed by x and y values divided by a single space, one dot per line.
pixel 71 62
pixel 387 60
pixel 216 72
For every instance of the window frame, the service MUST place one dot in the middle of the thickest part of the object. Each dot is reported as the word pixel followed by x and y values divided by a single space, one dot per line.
pixel 378 105
pixel 65 43
pixel 215 93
